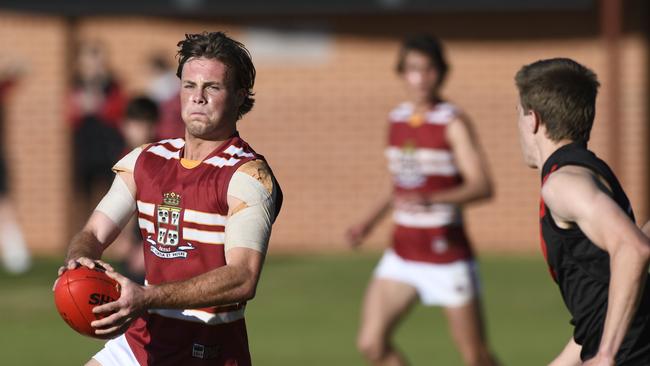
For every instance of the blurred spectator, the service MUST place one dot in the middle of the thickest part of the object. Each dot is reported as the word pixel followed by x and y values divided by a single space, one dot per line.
pixel 96 106
pixel 164 89
pixel 15 255
pixel 138 128
pixel 140 122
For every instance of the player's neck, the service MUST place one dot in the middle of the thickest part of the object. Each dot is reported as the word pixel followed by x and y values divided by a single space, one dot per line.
pixel 425 105
pixel 198 149
pixel 547 147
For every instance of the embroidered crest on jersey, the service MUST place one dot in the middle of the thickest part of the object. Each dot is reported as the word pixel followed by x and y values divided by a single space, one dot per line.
pixel 168 229
pixel 409 172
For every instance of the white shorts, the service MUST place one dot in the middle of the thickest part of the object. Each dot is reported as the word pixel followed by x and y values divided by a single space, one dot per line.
pixel 447 284
pixel 116 352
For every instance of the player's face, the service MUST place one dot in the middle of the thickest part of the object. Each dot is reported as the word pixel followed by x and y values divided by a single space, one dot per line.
pixel 209 103
pixel 526 123
pixel 421 76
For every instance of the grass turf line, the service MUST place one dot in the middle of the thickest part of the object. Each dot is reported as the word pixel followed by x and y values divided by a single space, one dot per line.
pixel 306 312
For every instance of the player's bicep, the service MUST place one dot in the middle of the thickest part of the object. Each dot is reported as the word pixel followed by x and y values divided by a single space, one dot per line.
pixel 247 258
pixel 577 198
pixel 467 151
pixel 569 195
pixel 102 228
pixel 118 204
pixel 251 200
pixel 608 226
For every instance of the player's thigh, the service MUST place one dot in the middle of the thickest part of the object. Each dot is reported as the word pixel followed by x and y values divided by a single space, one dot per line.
pixel 466 324
pixel 93 362
pixel 385 302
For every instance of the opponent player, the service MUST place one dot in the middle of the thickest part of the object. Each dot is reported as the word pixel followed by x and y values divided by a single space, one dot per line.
pixel 205 205
pixel 595 252
pixel 437 168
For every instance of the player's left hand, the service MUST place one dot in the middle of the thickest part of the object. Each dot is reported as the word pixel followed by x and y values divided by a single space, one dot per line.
pixel 600 360
pixel 122 311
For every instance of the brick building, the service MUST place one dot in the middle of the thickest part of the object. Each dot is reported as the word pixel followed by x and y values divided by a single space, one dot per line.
pixel 325 85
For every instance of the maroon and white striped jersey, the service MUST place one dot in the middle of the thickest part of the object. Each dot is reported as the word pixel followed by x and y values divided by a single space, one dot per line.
pixel 421 160
pixel 182 212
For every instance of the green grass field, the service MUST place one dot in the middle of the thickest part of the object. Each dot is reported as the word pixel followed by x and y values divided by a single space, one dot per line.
pixel 306 312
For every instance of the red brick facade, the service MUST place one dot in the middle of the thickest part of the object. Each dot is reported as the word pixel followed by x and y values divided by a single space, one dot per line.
pixel 321 122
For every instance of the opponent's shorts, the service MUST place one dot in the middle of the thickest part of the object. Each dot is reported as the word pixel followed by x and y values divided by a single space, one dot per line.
pixel 448 284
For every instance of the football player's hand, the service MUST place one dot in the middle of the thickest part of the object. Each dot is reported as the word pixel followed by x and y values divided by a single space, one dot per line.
pixel 81 261
pixel 356 234
pixel 121 312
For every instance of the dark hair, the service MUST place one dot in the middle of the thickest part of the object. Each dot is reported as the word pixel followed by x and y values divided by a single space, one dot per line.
pixel 216 45
pixel 142 109
pixel 428 45
pixel 159 62
pixel 563 93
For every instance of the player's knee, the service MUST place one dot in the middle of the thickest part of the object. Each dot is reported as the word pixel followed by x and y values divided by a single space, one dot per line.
pixel 372 349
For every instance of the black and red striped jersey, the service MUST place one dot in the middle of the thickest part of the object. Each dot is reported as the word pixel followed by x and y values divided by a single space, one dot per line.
pixel 579 267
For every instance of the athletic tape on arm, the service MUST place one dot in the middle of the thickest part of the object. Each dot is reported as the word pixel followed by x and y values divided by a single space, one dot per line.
pixel 251 226
pixel 118 204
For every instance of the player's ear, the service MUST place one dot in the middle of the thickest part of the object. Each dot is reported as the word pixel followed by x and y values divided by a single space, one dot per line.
pixel 240 96
pixel 535 120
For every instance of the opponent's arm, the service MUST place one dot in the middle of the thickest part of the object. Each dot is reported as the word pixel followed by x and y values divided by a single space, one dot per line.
pixel 104 224
pixel 570 355
pixel 252 196
pixel 470 159
pixel 573 195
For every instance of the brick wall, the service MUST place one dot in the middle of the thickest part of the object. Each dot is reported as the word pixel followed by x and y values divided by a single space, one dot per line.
pixel 321 122
pixel 36 141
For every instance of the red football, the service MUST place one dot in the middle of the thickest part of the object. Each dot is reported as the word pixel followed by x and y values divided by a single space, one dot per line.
pixel 78 291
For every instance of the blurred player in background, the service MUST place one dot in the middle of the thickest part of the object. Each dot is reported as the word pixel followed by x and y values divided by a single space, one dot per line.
pixel 596 254
pixel 164 88
pixel 16 258
pixel 96 107
pixel 205 205
pixel 138 128
pixel 437 168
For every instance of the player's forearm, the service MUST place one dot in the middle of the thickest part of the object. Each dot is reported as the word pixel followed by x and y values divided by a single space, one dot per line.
pixel 221 286
pixel 629 266
pixel 380 212
pixel 84 244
